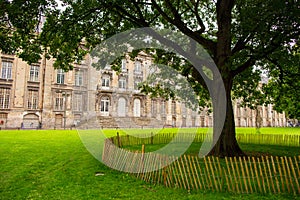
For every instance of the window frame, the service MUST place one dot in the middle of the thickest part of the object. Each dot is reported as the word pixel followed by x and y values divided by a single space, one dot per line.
pixel 78 78
pixel 123 65
pixel 104 104
pixel 60 76
pixel 34 73
pixel 138 67
pixel 122 83
pixel 105 81
pixel 77 102
pixel 5 98
pixel 59 103
pixel 32 99
pixel 6 69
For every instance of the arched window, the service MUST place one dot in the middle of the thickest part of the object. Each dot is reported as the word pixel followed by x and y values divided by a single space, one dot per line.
pixel 137 108
pixel 121 107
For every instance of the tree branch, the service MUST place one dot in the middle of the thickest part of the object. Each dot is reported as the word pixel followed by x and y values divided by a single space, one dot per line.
pixel 207 44
pixel 250 62
pixel 140 22
pixel 199 20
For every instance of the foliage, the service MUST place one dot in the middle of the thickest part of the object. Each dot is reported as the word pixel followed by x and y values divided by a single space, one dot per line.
pixel 283 87
pixel 20 23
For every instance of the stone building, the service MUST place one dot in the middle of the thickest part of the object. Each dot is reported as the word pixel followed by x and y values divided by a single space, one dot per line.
pixel 37 95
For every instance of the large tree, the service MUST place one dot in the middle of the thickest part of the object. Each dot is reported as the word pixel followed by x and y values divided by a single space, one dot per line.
pixel 242 37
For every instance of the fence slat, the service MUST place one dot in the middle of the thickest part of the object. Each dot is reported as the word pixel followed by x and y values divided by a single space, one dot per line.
pixel 270 174
pixel 243 174
pixel 194 173
pixel 181 178
pixel 213 174
pixel 234 175
pixel 289 174
pixel 261 175
pixel 202 175
pixel 296 163
pixel 265 174
pixel 256 174
pixel 294 175
pixel 208 174
pixel 285 175
pixel 230 177
pixel 221 179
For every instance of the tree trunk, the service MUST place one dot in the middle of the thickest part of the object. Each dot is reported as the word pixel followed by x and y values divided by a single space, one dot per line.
pixel 225 143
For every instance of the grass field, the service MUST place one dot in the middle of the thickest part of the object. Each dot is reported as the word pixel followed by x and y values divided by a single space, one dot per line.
pixel 55 165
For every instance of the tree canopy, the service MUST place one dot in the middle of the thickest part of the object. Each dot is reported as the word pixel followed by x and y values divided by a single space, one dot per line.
pixel 245 38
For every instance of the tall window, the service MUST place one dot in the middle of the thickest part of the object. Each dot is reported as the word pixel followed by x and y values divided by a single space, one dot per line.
pixel 77 102
pixel 153 107
pixel 4 98
pixel 104 104
pixel 105 81
pixel 59 101
pixel 122 82
pixel 32 101
pixel 34 73
pixel 137 108
pixel 78 78
pixel 123 66
pixel 60 79
pixel 6 70
pixel 137 67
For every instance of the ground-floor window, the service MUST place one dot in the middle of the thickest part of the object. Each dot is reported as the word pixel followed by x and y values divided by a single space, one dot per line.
pixel 137 108
pixel 121 107
pixel 4 97
pixel 104 105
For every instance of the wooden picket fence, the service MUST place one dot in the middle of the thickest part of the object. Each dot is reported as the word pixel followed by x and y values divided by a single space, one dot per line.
pixel 266 174
pixel 164 138
pixel 237 175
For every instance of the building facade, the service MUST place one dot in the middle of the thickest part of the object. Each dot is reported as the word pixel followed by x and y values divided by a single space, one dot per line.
pixel 39 96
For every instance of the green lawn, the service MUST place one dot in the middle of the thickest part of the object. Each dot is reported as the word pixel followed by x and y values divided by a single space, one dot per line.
pixel 55 165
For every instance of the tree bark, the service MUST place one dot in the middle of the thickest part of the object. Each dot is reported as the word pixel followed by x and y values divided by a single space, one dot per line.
pixel 225 143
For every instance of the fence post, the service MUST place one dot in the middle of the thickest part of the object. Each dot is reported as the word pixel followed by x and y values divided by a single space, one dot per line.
pixel 151 140
pixel 142 173
pixel 118 139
